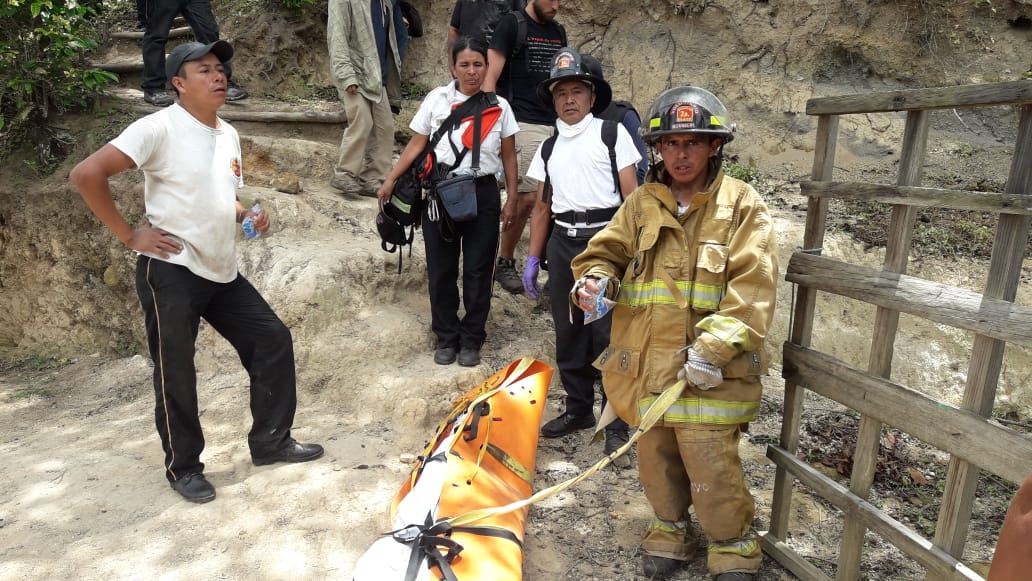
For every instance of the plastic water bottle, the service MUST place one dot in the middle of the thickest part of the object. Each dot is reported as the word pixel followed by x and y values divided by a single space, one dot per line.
pixel 248 224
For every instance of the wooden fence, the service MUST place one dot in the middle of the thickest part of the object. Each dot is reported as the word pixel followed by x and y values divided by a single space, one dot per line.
pixel 973 442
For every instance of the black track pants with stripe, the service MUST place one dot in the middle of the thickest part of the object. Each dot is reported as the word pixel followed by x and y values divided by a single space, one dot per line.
pixel 174 300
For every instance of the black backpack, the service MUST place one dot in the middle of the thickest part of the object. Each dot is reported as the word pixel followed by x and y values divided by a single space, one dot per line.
pixel 412 18
pixel 402 212
pixel 617 110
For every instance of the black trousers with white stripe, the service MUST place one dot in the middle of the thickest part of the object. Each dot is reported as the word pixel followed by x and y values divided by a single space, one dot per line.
pixel 576 345
pixel 174 301
pixel 474 244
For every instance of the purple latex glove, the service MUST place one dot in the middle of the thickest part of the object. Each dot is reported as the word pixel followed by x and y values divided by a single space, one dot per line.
pixel 530 273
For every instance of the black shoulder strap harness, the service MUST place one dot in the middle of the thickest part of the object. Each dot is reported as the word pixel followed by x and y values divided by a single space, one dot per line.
pixel 475 103
pixel 609 129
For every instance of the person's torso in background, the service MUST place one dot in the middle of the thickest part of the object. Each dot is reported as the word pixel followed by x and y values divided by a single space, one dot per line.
pixel 529 66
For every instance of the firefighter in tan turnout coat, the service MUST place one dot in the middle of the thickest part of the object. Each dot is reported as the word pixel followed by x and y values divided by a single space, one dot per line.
pixel 692 264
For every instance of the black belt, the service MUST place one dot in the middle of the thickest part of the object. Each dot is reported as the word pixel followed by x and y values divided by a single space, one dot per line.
pixel 581 233
pixel 588 216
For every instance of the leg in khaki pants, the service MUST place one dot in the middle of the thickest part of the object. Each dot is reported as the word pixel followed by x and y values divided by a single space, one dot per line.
pixel 365 149
pixel 694 465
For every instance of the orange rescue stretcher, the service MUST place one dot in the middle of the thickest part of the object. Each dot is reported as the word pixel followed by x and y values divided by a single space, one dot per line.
pixel 481 457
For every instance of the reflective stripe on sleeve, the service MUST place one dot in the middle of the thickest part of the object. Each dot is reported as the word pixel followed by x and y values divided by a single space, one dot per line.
pixel 728 330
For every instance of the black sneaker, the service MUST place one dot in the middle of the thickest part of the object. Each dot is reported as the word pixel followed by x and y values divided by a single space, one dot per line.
pixel 615 439
pixel 444 355
pixel 567 423
pixel 506 275
pixel 158 98
pixel 194 488
pixel 294 451
pixel 234 92
pixel 469 357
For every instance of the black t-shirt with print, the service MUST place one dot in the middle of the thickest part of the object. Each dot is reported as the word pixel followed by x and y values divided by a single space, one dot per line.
pixel 528 67
pixel 477 18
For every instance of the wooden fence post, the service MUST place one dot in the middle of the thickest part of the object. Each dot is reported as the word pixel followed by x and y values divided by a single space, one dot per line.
pixel 987 354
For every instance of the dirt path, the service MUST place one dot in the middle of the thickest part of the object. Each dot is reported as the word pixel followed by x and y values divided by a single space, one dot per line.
pixel 83 496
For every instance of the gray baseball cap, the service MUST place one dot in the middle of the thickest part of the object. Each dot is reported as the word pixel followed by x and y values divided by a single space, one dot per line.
pixel 192 51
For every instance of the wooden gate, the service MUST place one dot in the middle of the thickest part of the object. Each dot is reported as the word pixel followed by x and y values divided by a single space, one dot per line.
pixel 972 441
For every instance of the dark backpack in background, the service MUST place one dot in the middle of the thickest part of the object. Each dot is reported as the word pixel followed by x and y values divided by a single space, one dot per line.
pixel 617 111
pixel 412 18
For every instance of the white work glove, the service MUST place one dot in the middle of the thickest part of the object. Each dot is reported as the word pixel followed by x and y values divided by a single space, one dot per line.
pixel 699 372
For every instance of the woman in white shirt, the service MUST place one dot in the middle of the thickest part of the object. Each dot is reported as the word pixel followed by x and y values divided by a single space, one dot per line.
pixel 476 240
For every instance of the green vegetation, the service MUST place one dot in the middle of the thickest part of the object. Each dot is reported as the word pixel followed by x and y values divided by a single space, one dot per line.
pixel 35 363
pixel 43 44
pixel 298 4
pixel 414 91
pixel 737 170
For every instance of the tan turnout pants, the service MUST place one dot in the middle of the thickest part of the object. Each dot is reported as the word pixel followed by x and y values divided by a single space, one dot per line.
pixel 693 465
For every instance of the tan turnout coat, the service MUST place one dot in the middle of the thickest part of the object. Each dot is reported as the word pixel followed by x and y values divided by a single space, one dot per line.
pixel 707 279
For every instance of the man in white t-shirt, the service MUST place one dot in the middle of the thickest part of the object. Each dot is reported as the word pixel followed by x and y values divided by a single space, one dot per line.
pixel 581 188
pixel 186 266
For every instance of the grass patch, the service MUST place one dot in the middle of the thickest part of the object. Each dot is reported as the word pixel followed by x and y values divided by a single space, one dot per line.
pixel 35 363
pixel 31 392
pixel 937 231
pixel 413 91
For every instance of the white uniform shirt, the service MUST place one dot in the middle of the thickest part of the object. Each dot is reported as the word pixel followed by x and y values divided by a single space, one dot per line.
pixel 436 107
pixel 580 173
pixel 191 172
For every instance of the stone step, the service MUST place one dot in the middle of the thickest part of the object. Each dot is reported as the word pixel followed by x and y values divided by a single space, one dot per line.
pixel 120 66
pixel 138 34
pixel 255 109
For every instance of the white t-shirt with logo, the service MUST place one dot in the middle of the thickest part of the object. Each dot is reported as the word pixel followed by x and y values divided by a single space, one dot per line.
pixel 191 172
pixel 580 172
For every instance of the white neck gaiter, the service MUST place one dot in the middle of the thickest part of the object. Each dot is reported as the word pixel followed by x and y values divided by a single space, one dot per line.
pixel 567 130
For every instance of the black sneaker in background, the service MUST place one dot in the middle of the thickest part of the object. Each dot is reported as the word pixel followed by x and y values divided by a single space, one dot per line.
pixel 615 439
pixel 567 423
pixel 158 98
pixel 506 275
pixel 234 92
pixel 469 357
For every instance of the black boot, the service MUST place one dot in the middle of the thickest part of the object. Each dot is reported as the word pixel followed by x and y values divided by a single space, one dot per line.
pixel 658 567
